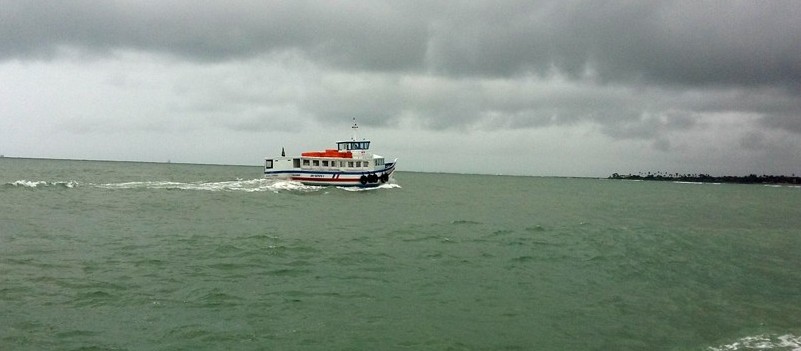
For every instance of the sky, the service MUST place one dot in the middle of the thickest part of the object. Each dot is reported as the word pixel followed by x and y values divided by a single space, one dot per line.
pixel 541 88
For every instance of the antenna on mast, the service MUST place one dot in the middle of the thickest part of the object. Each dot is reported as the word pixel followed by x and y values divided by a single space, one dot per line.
pixel 355 129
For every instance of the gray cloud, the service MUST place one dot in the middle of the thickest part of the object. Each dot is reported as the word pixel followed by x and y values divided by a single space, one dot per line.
pixel 743 43
pixel 733 55
pixel 370 34
pixel 678 42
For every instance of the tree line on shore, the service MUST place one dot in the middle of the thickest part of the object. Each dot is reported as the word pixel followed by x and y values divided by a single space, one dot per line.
pixel 706 178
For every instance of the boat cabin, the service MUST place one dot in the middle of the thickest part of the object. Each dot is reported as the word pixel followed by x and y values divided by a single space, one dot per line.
pixel 348 156
pixel 353 145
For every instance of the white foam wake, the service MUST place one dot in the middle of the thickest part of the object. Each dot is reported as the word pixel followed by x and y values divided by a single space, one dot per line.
pixel 763 342
pixel 42 184
pixel 696 183
pixel 382 186
pixel 252 185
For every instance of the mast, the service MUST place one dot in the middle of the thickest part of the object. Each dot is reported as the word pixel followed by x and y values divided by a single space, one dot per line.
pixel 355 129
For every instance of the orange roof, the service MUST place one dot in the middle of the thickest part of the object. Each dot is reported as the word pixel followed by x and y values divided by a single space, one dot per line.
pixel 328 153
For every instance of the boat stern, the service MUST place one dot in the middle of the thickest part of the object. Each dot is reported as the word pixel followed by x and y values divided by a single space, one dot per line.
pixel 276 167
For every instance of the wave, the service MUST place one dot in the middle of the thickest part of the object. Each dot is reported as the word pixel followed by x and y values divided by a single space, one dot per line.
pixel 251 185
pixel 763 342
pixel 696 183
pixel 783 186
pixel 382 186
pixel 41 184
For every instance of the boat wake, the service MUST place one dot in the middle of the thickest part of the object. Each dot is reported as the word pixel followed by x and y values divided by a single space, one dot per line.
pixel 389 185
pixel 250 186
pixel 763 342
pixel 239 185
pixel 41 184
pixel 696 183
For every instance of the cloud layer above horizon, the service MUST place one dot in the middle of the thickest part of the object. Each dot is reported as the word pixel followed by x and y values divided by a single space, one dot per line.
pixel 614 85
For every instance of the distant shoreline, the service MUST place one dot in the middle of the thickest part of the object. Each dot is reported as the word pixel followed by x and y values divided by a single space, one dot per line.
pixel 706 178
pixel 168 162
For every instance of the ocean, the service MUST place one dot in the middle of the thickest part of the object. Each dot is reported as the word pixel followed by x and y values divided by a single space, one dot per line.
pixel 145 256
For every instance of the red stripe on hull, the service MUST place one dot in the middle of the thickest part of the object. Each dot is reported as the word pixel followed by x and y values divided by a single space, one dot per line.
pixel 323 180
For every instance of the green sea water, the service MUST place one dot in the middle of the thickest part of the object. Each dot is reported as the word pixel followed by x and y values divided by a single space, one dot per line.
pixel 139 256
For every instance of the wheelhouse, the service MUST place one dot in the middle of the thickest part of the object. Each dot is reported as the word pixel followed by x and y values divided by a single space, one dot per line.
pixel 353 145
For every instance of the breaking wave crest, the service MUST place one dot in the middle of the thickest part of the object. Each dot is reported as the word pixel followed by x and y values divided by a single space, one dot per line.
pixel 41 184
pixel 763 342
pixel 252 185
pixel 382 186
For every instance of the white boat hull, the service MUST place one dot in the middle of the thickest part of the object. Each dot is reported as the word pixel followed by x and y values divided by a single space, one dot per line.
pixel 362 178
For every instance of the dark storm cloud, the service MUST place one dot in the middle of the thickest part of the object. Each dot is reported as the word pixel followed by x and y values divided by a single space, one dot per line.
pixel 638 69
pixel 368 34
pixel 682 42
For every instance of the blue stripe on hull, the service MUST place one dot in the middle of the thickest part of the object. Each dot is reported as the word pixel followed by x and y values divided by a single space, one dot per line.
pixel 331 178
pixel 389 169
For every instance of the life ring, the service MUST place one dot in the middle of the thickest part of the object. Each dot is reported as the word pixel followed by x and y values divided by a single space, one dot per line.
pixel 363 180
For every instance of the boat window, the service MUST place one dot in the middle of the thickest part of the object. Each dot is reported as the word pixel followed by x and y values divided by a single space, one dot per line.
pixel 296 163
pixel 316 163
pixel 350 163
pixel 325 163
pixel 379 162
pixel 268 164
pixel 305 162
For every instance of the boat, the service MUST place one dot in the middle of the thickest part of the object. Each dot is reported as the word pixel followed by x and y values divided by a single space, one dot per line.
pixel 351 164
